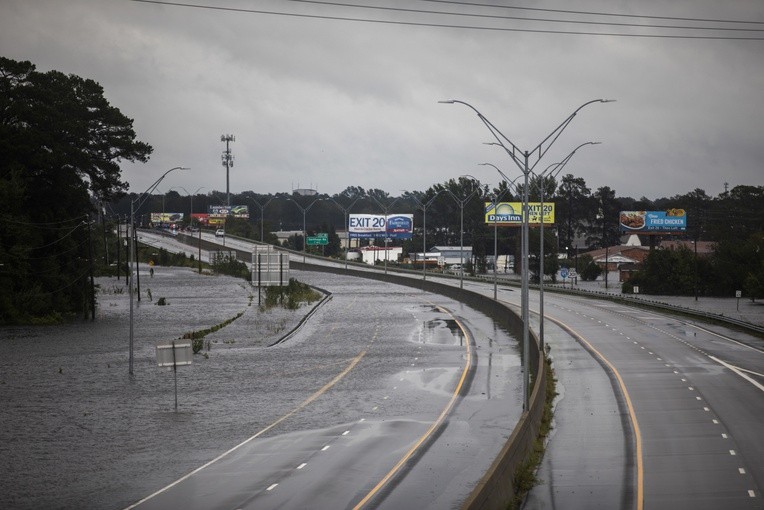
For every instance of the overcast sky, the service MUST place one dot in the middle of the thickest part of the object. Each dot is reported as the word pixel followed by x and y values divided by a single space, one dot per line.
pixel 325 104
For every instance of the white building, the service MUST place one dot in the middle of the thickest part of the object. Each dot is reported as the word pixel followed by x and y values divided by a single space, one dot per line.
pixel 453 254
pixel 373 254
pixel 284 235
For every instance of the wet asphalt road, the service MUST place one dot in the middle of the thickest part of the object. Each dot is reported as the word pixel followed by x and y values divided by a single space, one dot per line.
pixel 366 376
pixel 696 396
pixel 694 392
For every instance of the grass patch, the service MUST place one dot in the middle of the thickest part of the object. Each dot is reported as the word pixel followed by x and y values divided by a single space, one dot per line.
pixel 290 296
pixel 525 476
pixel 197 337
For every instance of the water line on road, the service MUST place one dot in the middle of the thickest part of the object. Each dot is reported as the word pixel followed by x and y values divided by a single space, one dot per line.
pixel 291 413
pixel 436 424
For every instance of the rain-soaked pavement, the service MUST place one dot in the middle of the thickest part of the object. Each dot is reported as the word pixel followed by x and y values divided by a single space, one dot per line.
pixel 77 431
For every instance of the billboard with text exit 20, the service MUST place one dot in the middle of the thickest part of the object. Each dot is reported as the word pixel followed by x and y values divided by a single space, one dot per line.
pixel 379 226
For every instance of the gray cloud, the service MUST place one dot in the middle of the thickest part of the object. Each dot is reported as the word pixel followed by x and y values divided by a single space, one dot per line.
pixel 329 104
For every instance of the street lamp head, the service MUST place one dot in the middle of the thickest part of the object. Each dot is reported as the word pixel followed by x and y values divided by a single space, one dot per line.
pixel 447 101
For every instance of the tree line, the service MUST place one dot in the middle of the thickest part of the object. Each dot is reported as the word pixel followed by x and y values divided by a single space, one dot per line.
pixel 61 143
pixel 585 219
pixel 61 197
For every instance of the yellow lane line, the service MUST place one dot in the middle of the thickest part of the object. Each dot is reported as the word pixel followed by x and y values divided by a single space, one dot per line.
pixel 435 424
pixel 632 413
pixel 302 405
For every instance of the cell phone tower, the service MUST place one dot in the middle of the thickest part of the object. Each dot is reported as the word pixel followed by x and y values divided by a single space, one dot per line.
pixel 227 163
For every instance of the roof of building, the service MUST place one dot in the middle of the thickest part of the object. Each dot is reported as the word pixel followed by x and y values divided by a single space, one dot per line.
pixel 637 252
pixel 446 249
pixel 704 247
pixel 379 248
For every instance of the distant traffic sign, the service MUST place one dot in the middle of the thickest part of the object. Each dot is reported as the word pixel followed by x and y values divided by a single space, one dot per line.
pixel 564 273
pixel 320 239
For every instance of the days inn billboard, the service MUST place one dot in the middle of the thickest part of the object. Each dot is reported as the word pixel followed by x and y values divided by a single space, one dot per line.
pixel 510 214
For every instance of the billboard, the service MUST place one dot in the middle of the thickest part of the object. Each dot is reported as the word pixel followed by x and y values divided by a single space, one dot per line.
pixel 202 218
pixel 168 217
pixel 221 211
pixel 400 226
pixel 510 214
pixel 638 222
pixel 392 226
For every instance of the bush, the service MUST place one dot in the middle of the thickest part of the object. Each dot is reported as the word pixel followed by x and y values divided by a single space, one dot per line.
pixel 228 265
pixel 295 293
pixel 591 271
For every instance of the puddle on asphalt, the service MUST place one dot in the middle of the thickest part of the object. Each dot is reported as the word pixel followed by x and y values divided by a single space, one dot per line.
pixel 423 308
pixel 438 380
pixel 440 332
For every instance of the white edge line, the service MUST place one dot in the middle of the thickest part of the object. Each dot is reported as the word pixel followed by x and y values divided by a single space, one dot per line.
pixel 258 434
pixel 738 372
pixel 189 475
pixel 732 340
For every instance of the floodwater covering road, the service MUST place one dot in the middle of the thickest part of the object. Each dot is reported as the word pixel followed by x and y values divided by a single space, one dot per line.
pixel 78 432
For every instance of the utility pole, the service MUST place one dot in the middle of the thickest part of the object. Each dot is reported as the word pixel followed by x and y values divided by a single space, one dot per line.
pixel 227 163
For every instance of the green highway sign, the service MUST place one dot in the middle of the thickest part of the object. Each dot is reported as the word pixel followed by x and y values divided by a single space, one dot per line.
pixel 318 240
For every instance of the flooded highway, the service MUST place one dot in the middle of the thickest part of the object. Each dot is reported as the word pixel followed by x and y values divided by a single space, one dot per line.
pixel 386 393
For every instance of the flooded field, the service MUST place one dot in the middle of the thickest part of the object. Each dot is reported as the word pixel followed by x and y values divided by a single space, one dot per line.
pixel 75 426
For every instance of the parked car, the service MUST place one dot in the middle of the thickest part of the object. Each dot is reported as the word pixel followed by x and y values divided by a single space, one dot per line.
pixel 220 233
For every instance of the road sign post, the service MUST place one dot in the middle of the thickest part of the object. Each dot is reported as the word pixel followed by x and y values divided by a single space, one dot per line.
pixel 563 275
pixel 172 355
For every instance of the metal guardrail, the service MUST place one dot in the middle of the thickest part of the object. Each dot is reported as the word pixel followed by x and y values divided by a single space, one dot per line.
pixel 651 303
pixel 638 301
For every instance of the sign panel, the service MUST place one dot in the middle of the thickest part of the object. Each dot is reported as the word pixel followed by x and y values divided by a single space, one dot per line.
pixel 202 218
pixel 400 226
pixel 269 267
pixel 181 356
pixel 318 240
pixel 366 225
pixel 673 220
pixel 393 226
pixel 221 211
pixel 169 217
pixel 510 214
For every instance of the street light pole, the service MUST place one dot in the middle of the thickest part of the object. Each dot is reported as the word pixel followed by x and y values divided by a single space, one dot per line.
pixel 191 196
pixel 345 211
pixel 522 160
pixel 542 188
pixel 385 209
pixel 304 227
pixel 510 182
pixel 424 206
pixel 462 202
pixel 132 251
pixel 262 214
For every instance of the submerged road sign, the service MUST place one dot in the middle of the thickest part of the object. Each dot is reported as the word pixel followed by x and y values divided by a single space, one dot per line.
pixel 172 355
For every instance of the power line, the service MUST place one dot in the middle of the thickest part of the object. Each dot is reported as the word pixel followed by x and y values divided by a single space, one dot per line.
pixel 463 27
pixel 545 20
pixel 50 224
pixel 595 13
